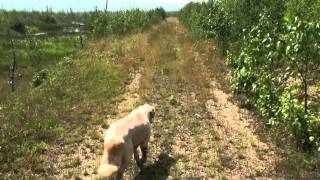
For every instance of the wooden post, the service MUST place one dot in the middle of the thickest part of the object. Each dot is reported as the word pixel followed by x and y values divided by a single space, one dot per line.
pixel 13 66
pixel 80 36
pixel 81 41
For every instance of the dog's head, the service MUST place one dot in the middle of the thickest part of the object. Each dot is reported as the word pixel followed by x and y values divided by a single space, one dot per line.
pixel 112 157
pixel 149 110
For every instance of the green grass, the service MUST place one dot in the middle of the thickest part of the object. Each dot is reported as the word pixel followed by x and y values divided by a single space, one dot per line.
pixel 33 119
pixel 32 56
pixel 81 90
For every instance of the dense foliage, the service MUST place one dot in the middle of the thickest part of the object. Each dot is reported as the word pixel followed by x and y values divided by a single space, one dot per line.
pixel 100 23
pixel 274 53
pixel 40 21
pixel 107 23
pixel 228 20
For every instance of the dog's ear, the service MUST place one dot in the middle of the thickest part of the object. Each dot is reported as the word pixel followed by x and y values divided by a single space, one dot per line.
pixel 151 114
pixel 107 170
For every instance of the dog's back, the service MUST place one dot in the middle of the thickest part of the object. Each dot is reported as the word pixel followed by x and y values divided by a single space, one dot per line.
pixel 124 136
pixel 136 127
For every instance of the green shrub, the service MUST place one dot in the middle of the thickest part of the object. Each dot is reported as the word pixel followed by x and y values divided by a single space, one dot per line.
pixel 107 23
pixel 39 77
pixel 48 23
pixel 274 59
pixel 276 68
pixel 228 20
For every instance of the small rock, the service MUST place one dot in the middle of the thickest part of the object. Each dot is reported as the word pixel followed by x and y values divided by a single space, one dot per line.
pixel 198 115
pixel 193 95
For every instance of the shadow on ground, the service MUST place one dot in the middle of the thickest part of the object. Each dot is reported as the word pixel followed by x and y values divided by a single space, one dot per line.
pixel 159 170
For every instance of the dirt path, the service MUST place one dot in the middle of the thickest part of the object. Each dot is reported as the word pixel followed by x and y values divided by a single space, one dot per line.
pixel 131 96
pixel 198 131
pixel 248 156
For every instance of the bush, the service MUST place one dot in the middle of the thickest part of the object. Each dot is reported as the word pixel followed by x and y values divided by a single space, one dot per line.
pixel 19 27
pixel 276 69
pixel 106 23
pixel 48 23
pixel 43 21
pixel 228 20
pixel 39 77
pixel 276 60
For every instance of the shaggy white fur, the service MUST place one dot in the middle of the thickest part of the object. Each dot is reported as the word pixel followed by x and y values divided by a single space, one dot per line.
pixel 122 140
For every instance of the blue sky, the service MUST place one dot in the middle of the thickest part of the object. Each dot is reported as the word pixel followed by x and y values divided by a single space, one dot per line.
pixel 81 5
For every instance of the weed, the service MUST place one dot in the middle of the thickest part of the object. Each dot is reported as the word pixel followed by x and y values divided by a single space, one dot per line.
pixel 94 134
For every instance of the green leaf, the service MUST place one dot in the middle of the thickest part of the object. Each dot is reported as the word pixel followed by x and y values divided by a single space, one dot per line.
pixel 311 138
pixel 288 49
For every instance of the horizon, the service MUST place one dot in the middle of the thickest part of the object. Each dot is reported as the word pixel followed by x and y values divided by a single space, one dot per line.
pixel 84 5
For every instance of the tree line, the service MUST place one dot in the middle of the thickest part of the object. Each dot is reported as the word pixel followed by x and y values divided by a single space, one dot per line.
pixel 273 50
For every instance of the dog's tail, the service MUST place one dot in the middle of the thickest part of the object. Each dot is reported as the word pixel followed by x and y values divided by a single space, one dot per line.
pixel 113 145
pixel 107 170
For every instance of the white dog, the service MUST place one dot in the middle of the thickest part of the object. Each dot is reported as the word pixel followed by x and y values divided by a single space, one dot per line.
pixel 122 140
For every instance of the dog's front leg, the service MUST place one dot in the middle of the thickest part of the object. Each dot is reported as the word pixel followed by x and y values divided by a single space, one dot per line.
pixel 119 175
pixel 136 157
pixel 144 149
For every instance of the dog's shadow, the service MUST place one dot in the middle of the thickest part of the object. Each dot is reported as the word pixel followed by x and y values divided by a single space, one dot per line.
pixel 159 170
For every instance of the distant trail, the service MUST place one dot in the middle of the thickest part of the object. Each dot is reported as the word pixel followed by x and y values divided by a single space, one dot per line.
pixel 131 96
